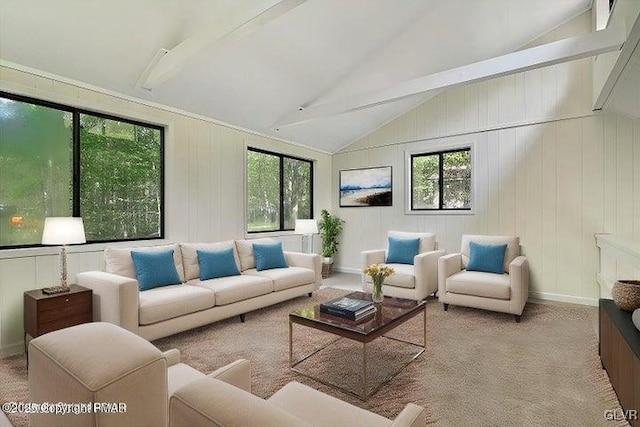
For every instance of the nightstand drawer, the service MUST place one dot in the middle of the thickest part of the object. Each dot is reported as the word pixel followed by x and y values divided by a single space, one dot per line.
pixel 54 309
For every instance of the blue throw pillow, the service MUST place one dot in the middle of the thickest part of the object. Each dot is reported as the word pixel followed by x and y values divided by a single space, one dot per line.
pixel 487 258
pixel 402 251
pixel 214 264
pixel 155 269
pixel 269 255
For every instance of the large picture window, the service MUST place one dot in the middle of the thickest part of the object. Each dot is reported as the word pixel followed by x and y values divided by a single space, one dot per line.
pixel 441 180
pixel 57 160
pixel 279 191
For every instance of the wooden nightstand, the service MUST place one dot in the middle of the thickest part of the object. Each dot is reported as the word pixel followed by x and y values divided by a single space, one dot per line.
pixel 46 313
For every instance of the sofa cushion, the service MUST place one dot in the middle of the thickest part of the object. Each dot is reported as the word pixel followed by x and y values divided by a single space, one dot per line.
pixel 245 252
pixel 285 278
pixel 402 251
pixel 214 264
pixel 235 288
pixel 481 284
pixel 164 303
pixel 118 260
pixel 190 256
pixel 321 409
pixel 512 242
pixel 403 277
pixel 487 258
pixel 155 269
pixel 269 255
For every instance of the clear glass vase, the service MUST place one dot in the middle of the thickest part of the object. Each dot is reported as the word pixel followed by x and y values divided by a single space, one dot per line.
pixel 377 295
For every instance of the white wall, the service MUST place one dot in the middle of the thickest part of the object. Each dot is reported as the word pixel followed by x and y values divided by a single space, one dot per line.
pixel 204 188
pixel 548 169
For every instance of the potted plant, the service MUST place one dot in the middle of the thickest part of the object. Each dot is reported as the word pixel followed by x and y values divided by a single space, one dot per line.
pixel 330 229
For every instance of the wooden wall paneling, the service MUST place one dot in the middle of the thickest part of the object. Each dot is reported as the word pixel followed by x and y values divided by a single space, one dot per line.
pixel 176 204
pixel 569 204
pixel 507 178
pixel 455 110
pixel 507 99
pixel 533 203
pixel 47 271
pixel 471 107
pixel 624 177
pixel 523 136
pixel 549 207
pixel 592 209
pixel 533 94
pixel 493 103
pixel 493 182
pixel 610 172
pixel 549 92
pixel 636 183
pixel 16 276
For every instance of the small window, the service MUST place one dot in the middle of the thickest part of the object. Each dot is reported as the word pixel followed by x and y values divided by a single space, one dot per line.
pixel 279 191
pixel 441 180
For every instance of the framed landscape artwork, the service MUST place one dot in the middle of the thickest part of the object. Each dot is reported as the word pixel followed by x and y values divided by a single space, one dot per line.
pixel 366 187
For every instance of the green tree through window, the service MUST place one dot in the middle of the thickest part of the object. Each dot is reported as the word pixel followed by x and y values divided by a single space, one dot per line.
pixel 279 191
pixel 45 148
pixel 441 180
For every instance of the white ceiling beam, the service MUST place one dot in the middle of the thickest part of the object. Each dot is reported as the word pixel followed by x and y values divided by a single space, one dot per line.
pixel 169 63
pixel 557 52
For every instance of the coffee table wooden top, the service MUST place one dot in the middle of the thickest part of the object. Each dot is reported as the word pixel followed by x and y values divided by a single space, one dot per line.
pixel 391 313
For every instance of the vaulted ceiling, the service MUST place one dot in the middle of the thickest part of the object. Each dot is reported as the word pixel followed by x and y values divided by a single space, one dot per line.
pixel 253 63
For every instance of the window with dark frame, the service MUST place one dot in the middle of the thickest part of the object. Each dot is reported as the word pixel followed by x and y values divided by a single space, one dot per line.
pixel 279 191
pixel 441 180
pixel 57 160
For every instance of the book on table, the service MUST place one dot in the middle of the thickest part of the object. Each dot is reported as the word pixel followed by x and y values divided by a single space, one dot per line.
pixel 353 309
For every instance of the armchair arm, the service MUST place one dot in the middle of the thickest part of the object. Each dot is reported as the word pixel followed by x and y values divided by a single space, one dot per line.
pixel 411 416
pixel 310 261
pixel 237 373
pixel 447 266
pixel 172 356
pixel 375 256
pixel 115 298
pixel 426 270
pixel 519 274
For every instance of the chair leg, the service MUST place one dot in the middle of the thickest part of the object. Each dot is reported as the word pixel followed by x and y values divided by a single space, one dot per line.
pixel 242 318
pixel 517 318
pixel 446 306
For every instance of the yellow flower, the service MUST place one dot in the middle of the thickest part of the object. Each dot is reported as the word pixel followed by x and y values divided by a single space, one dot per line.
pixel 378 271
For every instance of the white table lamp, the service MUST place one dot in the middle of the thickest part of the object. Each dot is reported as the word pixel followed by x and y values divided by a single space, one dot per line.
pixel 63 231
pixel 307 227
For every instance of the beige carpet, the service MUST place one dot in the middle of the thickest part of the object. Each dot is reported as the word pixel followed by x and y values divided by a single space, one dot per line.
pixel 480 368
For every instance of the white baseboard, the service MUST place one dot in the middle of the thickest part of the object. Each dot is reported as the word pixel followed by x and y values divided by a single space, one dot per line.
pixel 538 295
pixel 564 298
pixel 12 349
pixel 347 270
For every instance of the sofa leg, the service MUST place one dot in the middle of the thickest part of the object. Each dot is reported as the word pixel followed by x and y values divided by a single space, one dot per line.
pixel 446 306
pixel 310 294
pixel 517 318
pixel 242 318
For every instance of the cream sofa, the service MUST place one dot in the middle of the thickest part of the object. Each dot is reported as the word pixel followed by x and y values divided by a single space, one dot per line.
pixel 83 365
pixel 163 311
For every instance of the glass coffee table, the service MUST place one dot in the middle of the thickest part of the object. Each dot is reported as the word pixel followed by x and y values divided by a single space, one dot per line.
pixel 391 313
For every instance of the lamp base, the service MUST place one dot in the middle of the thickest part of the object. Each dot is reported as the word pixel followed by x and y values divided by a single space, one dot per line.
pixel 56 290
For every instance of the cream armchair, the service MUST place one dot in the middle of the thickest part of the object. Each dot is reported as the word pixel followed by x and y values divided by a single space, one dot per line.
pixel 506 292
pixel 413 281
pixel 106 376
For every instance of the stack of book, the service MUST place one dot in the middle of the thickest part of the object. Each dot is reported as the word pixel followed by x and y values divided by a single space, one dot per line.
pixel 349 308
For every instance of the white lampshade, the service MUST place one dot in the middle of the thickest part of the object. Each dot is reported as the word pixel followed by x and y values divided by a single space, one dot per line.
pixel 63 231
pixel 306 226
